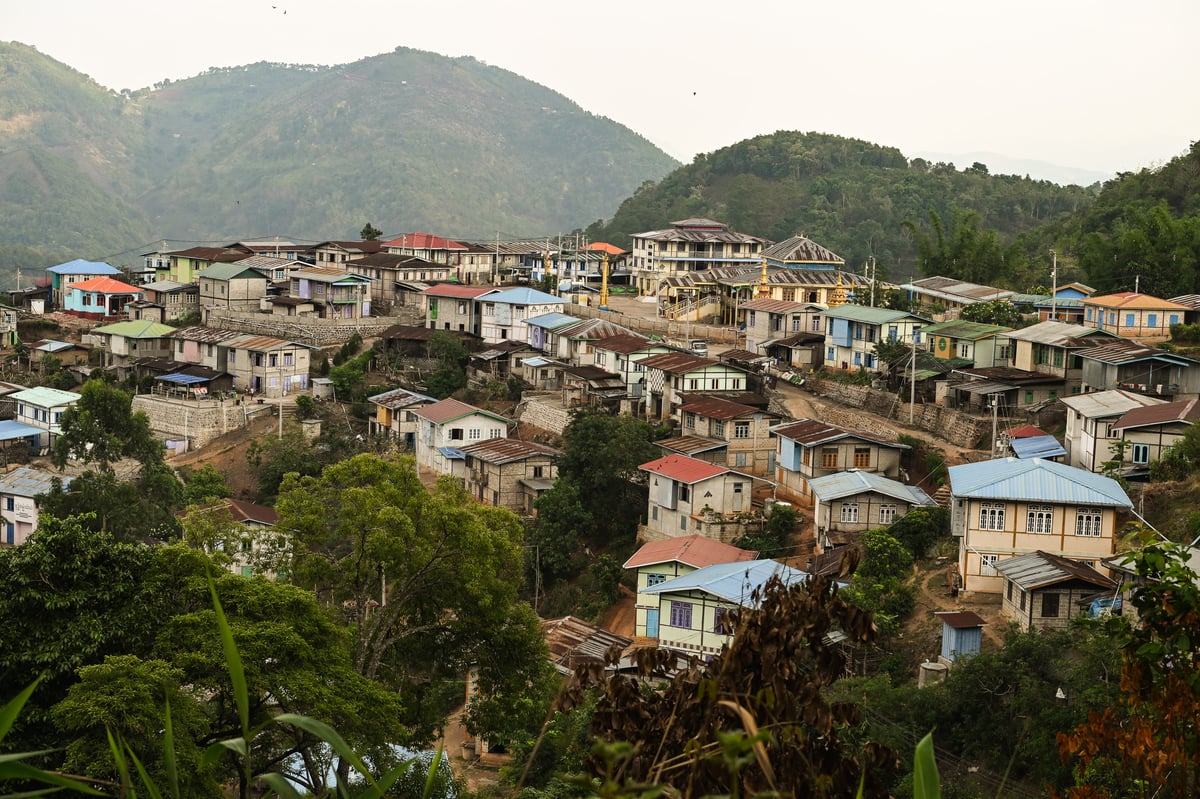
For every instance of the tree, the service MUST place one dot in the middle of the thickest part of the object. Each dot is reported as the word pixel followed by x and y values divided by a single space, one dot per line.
pixel 881 584
pixel 130 510
pixel 370 233
pixel 205 484
pixel 772 541
pixel 452 358
pixel 921 528
pixel 992 312
pixel 101 429
pixel 426 580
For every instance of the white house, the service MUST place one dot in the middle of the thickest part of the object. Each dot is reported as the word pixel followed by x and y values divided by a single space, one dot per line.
pixel 19 490
pixel 444 427
pixel 43 408
pixel 684 491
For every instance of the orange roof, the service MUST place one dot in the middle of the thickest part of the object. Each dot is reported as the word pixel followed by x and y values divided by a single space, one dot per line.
pixel 1130 299
pixel 105 285
pixel 424 241
pixel 604 246
pixel 684 469
pixel 693 550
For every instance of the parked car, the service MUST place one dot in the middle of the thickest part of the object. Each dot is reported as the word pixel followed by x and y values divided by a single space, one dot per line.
pixel 699 347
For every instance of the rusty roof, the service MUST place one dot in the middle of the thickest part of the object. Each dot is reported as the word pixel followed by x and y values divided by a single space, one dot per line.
pixel 448 410
pixel 1040 569
pixel 810 432
pixel 571 641
pixel 626 343
pixel 507 450
pixel 694 550
pixel 1121 350
pixel 961 619
pixel 717 408
pixel 776 306
pixel 1167 412
pixel 259 343
pixel 204 335
pixel 677 362
pixel 690 445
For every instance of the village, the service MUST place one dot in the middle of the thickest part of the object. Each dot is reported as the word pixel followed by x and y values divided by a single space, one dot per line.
pixel 779 379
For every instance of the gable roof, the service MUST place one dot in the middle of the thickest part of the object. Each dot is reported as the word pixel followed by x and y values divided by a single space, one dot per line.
pixel 1035 480
pixel 799 249
pixel 1113 402
pixel 136 329
pixel 1062 334
pixel 693 550
pixel 684 469
pixel 869 315
pixel 507 450
pixel 1181 411
pixel 82 267
pixel 400 398
pixel 955 290
pixel 718 408
pixel 424 241
pixel 677 362
pixel 457 291
pixel 961 619
pixel 238 270
pixel 46 397
pixel 964 329
pixel 1046 446
pixel 1040 569
pixel 855 481
pixel 448 410
pixel 1121 351
pixel 1134 300
pixel 29 482
pixel 810 432
pixel 255 343
pixel 733 582
pixel 627 343
pixel 571 641
pixel 204 335
pixel 778 306
pixel 525 296
pixel 552 320
pixel 105 285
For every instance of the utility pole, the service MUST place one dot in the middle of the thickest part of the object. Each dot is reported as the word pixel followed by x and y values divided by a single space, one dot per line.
pixel 995 423
pixel 912 373
pixel 1054 283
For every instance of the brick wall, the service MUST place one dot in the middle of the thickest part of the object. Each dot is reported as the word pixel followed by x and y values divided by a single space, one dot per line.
pixel 199 421
pixel 547 415
pixel 316 332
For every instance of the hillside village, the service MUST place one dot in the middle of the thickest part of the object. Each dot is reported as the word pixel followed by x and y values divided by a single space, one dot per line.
pixel 715 338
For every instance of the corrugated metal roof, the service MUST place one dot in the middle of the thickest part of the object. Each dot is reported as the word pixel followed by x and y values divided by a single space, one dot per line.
pixel 1113 402
pixel 1181 411
pixel 1062 334
pixel 204 335
pixel 27 482
pixel 626 344
pixel 865 313
pixel 258 343
pixel 799 249
pixel 733 582
pixel 693 550
pixel 717 408
pixel 1037 447
pixel 1040 569
pixel 423 241
pixel 593 330
pixel 1121 351
pixel 82 267
pixel 234 271
pixel 777 306
pixel 1130 299
pixel 813 431
pixel 457 292
pixel 963 329
pixel 855 481
pixel 684 469
pixel 677 362
pixel 551 321
pixel 690 445
pixel 525 296
pixel 46 397
pixel 952 288
pixel 571 640
pixel 1035 481
pixel 11 430
pixel 450 409
pixel 400 398
pixel 961 619
pixel 105 285
pixel 137 328
pixel 507 450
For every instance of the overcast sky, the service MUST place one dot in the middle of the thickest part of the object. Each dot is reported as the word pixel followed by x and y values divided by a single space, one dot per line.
pixel 1099 85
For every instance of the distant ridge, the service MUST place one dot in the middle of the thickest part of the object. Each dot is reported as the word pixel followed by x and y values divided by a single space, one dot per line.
pixel 999 164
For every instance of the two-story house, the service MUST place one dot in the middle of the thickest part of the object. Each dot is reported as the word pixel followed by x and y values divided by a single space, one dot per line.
pixel 19 491
pixel 683 491
pixel 541 329
pixel 234 286
pixel 624 354
pixel 982 344
pixel 809 448
pixel 1132 366
pixel 949 295
pixel 727 433
pixel 185 266
pixel 449 306
pixel 64 276
pixel 508 472
pixel 445 427
pixel 1132 315
pixel 335 294
pixel 1052 349
pixel 847 504
pixel 398 280
pixel 166 301
pixel 1150 430
pixel 504 314
pixel 121 343
pixel 769 321
pixel 671 374
pixel 393 414
pixel 101 298
pixel 575 343
pixel 1090 435
pixel 43 408
pixel 201 346
pixel 657 562
pixel 852 331
pixel 427 246
pixel 1003 508
pixel 342 253
pixel 268 366
pixel 689 245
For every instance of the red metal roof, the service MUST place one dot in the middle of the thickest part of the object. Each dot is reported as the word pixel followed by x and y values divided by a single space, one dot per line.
pixel 684 469
pixel 105 285
pixel 694 550
pixel 424 241
pixel 717 408
pixel 813 431
pixel 604 246
pixel 1026 431
pixel 449 409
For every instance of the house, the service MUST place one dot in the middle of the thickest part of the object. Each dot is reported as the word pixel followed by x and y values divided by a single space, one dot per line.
pixel 504 314
pixel 1044 591
pixel 623 354
pixel 1064 304
pixel 591 385
pixel 121 343
pixel 689 245
pixel 508 472
pixel 393 415
pixel 975 342
pixel 769 321
pixel 541 327
pixel 852 331
pixel 185 266
pixel 427 246
pixel 452 307
pixel 659 561
pixel 257 548
pixel 268 366
pixel 1052 348
pixel 576 342
pixel 982 388
pixel 398 280
pixel 66 353
pixel 950 294
pixel 201 346
pixel 1148 431
pixel 234 286
pixel 847 504
pixel 1132 366
pixel 166 301
pixel 726 432
pixel 499 361
pixel 671 374
pixel 1090 419
pixel 1003 508
pixel 689 495
pixel 277 271
pixel 693 608
pixel 274 247
pixel 334 293
pixel 445 427
pixel 1129 314
pixel 19 491
pixel 342 253
pixel 809 448
pixel 101 298
pixel 64 276
pixel 43 408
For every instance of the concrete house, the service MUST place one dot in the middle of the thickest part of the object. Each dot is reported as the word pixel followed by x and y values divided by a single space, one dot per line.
pixel 689 495
pixel 267 366
pixel 852 331
pixel 234 286
pixel 201 346
pixel 689 245
pixel 335 294
pixel 393 414
pixel 976 342
pixel 453 307
pixel 1131 366
pixel 576 342
pixel 101 298
pixel 671 374
pixel 277 271
pixel 1003 508
pixel 398 280
pixel 1149 431
pixel 342 253
pixel 657 562
pixel 445 427
pixel 808 448
pixel 1090 419
pixel 19 490
pixel 185 266
pixel 64 276
pixel 727 433
pixel 623 355
pixel 121 343
pixel 427 246
pixel 43 408
pixel 542 327
pixel 509 473
pixel 1131 315
pixel 504 314
pixel 693 608
pixel 847 504
pixel 1052 348
pixel 1044 591
pixel 166 301
pixel 769 321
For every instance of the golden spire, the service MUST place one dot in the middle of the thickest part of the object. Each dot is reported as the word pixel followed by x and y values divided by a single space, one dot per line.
pixel 838 295
pixel 604 282
pixel 764 290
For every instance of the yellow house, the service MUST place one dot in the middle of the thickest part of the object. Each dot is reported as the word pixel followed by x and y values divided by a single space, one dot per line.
pixel 1132 315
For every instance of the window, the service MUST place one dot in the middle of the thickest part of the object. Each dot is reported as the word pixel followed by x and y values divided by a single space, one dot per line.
pixel 987 566
pixel 693 384
pixel 991 516
pixel 1152 320
pixel 1050 606
pixel 893 333
pixel 456 434
pixel 689 420
pixel 718 427
pixel 683 523
pixel 887 514
pixel 722 623
pixel 750 320
pixel 1040 519
pixel 537 471
pixel 739 459
pixel 741 429
pixel 494 433
pixel 789 295
pixel 1002 353
pixel 654 512
pixel 862 457
pixel 272 360
pixel 714 384
pixel 1028 397
pixel 681 615
pixel 475 434
pixel 829 458
pixel 964 351
pixel 849 512
pixel 1088 521
pixel 1129 320
pixel 829 354
pixel 685 493
pixel 1141 453
pixel 1008 589
pixel 1023 595
pixel 8 503
pixel 655 579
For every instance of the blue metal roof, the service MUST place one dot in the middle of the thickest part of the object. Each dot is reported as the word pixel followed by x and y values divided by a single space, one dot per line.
pixel 733 582
pixel 82 267
pixel 524 296
pixel 11 430
pixel 847 484
pixel 453 453
pixel 1037 447
pixel 550 321
pixel 1035 480
pixel 182 379
pixel 27 482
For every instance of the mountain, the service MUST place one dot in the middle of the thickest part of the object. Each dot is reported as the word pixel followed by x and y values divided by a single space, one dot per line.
pixel 407 140
pixel 999 164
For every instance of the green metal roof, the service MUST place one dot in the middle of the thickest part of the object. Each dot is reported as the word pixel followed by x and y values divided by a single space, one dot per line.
pixel 140 328
pixel 232 272
pixel 961 328
pixel 864 313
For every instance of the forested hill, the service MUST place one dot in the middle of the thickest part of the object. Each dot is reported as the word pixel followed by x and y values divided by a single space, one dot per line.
pixel 407 140
pixel 856 198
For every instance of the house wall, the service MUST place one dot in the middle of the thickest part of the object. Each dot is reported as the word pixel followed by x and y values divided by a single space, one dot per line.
pixel 197 421
pixel 18 518
pixel 754 453
pixel 451 313
pixel 674 507
pixel 240 294
pixel 1143 324
pixel 1026 608
pixel 1147 444
pixel 499 484
pixel 658 573
pixel 455 433
pixel 272 374
pixel 700 637
pixel 851 345
pixel 829 521
pixel 1088 441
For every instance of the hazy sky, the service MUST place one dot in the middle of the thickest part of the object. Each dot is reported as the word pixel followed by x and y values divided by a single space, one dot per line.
pixel 1107 86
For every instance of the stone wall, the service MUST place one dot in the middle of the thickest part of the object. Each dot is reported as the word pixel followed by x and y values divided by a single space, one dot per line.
pixel 198 421
pixel 654 327
pixel 544 412
pixel 959 428
pixel 302 329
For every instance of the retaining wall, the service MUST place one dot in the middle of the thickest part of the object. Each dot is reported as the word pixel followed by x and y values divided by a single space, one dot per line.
pixel 547 415
pixel 305 330
pixel 949 424
pixel 198 421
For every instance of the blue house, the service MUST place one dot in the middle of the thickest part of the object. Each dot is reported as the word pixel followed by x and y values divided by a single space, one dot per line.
pixel 63 276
